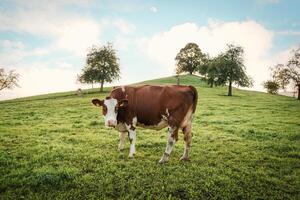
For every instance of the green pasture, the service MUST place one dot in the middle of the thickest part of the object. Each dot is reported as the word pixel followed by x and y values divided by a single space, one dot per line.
pixel 244 147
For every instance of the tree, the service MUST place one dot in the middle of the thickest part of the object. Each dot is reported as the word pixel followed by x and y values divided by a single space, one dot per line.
pixel 211 70
pixel 290 72
pixel 271 86
pixel 232 69
pixel 102 65
pixel 8 80
pixel 189 59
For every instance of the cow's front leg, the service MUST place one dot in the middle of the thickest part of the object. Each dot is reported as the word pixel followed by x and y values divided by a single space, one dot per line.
pixel 132 139
pixel 172 131
pixel 121 145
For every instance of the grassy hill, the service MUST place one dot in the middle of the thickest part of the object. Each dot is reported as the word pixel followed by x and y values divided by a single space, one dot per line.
pixel 244 147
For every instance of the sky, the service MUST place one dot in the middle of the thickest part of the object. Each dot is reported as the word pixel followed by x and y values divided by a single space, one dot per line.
pixel 46 42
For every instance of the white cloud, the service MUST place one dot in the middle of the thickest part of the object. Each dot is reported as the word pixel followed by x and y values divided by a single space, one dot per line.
pixel 153 9
pixel 76 36
pixel 252 36
pixel 68 30
pixel 120 24
pixel 8 44
pixel 123 26
pixel 39 78
pixel 289 32
pixel 12 52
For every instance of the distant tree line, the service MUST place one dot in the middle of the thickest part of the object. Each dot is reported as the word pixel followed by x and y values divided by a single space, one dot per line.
pixel 227 68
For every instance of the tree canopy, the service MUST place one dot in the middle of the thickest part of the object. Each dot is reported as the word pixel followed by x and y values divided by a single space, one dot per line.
pixel 102 65
pixel 189 59
pixel 8 80
pixel 232 69
pixel 290 72
pixel 271 86
pixel 210 70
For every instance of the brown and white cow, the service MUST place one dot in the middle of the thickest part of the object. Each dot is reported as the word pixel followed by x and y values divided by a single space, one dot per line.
pixel 154 107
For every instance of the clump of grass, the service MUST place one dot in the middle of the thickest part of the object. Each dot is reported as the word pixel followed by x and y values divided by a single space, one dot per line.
pixel 94 123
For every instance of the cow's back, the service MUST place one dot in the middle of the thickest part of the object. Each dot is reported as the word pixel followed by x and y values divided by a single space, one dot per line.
pixel 150 103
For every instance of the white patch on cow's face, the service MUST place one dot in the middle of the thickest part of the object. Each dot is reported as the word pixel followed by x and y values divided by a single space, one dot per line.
pixel 111 115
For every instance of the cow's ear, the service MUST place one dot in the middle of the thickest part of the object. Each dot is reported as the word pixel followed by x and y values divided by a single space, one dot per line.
pixel 123 103
pixel 97 102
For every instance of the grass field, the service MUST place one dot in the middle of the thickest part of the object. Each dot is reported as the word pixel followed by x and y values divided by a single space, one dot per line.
pixel 244 147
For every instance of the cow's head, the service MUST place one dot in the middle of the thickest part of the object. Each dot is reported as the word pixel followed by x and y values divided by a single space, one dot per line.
pixel 110 107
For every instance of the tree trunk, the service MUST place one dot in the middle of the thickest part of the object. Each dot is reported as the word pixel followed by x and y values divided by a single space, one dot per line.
pixel 178 83
pixel 101 88
pixel 230 89
pixel 191 72
pixel 212 84
pixel 298 92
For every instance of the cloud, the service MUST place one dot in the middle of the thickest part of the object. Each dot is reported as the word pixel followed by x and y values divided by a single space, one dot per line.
pixel 13 52
pixel 121 25
pixel 49 19
pixel 39 78
pixel 153 9
pixel 252 36
pixel 66 29
pixel 76 36
pixel 289 33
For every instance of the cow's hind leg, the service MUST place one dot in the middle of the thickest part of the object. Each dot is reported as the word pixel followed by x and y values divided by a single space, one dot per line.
pixel 187 131
pixel 172 134
pixel 122 136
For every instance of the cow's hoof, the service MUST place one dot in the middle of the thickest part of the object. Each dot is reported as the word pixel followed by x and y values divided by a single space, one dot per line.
pixel 162 161
pixel 185 159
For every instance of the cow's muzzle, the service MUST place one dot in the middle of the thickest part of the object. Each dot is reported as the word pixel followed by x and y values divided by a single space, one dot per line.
pixel 112 123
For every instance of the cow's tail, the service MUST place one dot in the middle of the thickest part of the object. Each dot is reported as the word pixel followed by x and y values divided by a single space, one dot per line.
pixel 195 97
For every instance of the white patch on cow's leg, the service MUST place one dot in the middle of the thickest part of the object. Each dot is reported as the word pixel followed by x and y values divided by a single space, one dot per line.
pixel 170 144
pixel 132 136
pixel 134 121
pixel 123 89
pixel 167 112
pixel 132 139
pixel 122 140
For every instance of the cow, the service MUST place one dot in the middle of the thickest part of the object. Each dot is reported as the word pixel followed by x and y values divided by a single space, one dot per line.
pixel 153 107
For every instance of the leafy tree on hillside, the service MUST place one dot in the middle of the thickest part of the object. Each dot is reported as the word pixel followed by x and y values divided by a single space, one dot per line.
pixel 290 72
pixel 210 70
pixel 102 65
pixel 8 80
pixel 271 86
pixel 189 59
pixel 232 69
